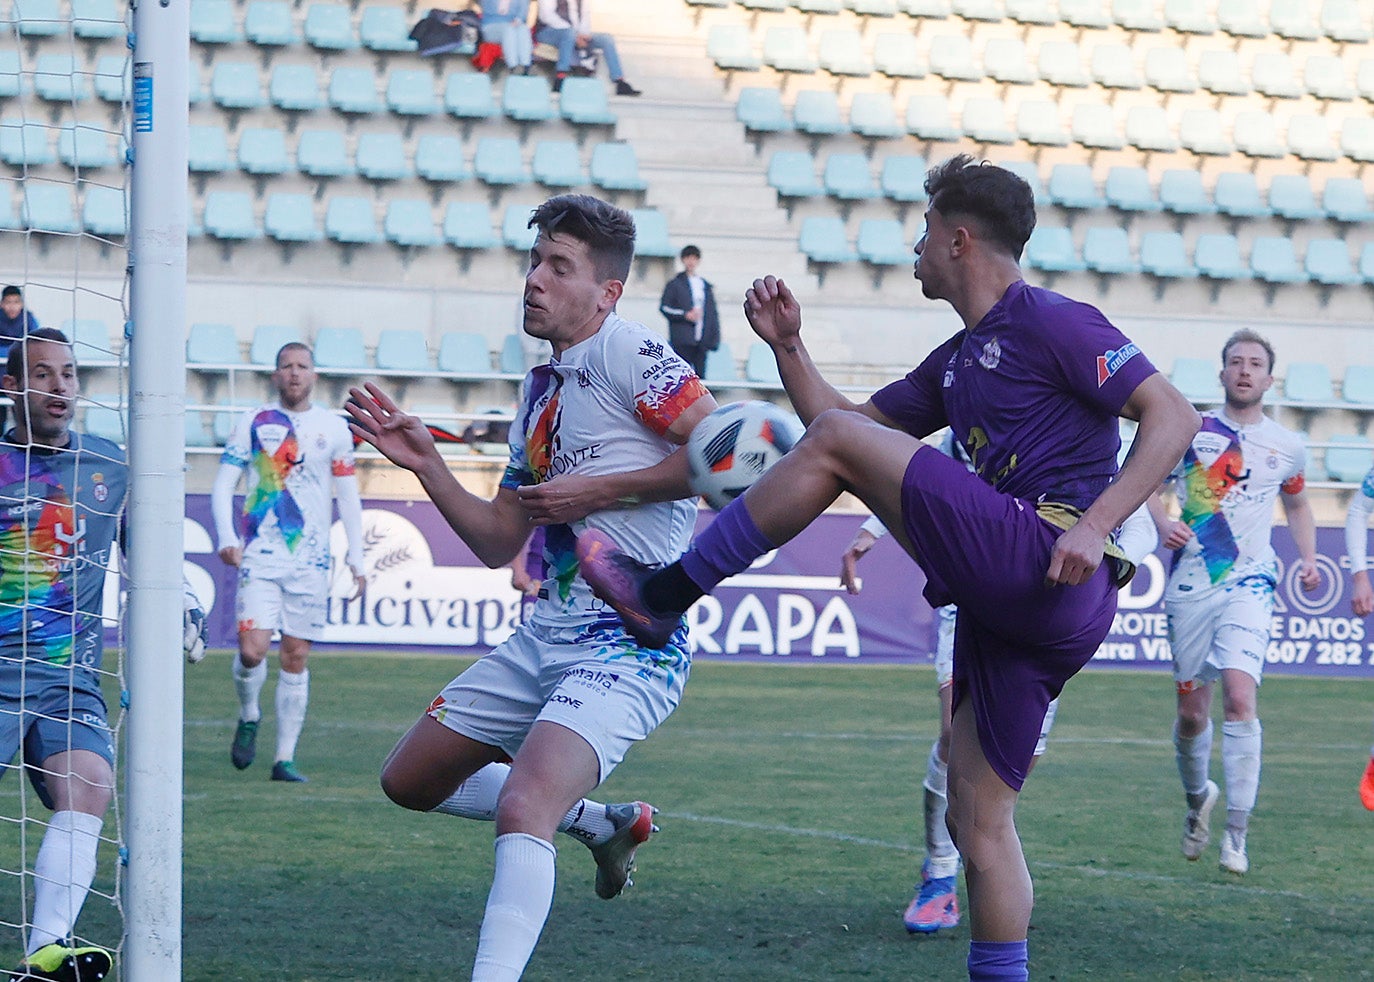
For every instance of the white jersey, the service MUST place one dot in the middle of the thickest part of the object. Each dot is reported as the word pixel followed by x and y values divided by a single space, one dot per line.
pixel 1226 484
pixel 292 460
pixel 1357 523
pixel 603 408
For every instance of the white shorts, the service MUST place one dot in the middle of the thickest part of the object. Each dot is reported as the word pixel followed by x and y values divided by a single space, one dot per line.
pixel 610 695
pixel 1227 628
pixel 293 601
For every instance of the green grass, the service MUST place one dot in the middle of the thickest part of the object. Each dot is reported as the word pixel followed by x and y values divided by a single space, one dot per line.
pixel 791 837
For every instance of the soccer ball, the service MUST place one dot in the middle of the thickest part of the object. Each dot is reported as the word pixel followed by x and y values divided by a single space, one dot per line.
pixel 732 448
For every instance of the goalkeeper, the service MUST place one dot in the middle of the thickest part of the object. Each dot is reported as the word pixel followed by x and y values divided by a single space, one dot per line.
pixel 61 497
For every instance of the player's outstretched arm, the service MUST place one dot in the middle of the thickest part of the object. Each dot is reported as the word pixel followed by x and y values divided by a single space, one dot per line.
pixel 1302 525
pixel 775 315
pixel 1356 542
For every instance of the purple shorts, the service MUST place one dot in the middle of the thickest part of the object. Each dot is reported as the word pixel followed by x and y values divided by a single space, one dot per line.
pixel 1017 641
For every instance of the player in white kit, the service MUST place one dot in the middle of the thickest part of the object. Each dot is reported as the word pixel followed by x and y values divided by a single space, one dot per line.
pixel 1362 599
pixel 594 445
pixel 1220 594
pixel 296 457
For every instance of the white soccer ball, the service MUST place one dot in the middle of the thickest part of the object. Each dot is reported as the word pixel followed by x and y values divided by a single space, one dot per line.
pixel 732 448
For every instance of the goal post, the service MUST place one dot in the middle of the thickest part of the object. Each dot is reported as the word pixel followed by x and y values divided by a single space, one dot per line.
pixel 157 458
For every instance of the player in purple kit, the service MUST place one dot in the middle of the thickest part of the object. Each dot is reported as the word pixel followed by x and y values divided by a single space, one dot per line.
pixel 1032 387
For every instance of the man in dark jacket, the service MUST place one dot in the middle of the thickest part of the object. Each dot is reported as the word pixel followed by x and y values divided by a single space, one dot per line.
pixel 689 303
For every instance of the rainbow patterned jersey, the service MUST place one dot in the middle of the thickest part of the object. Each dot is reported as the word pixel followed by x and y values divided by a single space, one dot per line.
pixel 1226 484
pixel 59 514
pixel 291 460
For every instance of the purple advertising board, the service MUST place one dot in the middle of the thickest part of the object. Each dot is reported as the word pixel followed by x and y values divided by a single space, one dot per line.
pixel 427 590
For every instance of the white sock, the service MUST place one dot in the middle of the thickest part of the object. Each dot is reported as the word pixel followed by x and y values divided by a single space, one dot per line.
pixel 293 696
pixel 1241 741
pixel 586 821
pixel 476 798
pixel 62 875
pixel 248 682
pixel 517 906
pixel 942 859
pixel 1193 755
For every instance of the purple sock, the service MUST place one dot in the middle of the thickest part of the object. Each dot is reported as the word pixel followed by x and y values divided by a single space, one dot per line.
pixel 728 546
pixel 997 961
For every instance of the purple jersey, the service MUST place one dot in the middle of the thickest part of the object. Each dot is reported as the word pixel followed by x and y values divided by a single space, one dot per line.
pixel 1033 392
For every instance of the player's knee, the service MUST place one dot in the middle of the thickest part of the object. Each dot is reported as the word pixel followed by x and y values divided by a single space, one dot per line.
pixel 398 786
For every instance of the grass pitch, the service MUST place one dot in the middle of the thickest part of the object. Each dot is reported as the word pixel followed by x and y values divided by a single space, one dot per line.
pixel 791 838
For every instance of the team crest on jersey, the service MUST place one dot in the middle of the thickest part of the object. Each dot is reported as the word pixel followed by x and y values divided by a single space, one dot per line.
pixel 1272 461
pixel 991 356
pixel 1109 363
pixel 100 490
pixel 583 379
pixel 652 349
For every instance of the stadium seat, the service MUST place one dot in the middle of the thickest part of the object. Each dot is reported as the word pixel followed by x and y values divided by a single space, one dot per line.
pixel 1308 381
pixel 515 230
pixel 1042 12
pixel 731 48
pixel 927 117
pixel 930 9
pixel 56 79
pixel 322 153
pixel 903 178
pixel 1137 15
pixel 1294 20
pixel 329 27
pixel 1237 194
pixel 1242 18
pixel 1219 72
pixel 1113 67
pixel 1256 136
pixel 1095 126
pixel 212 22
pixel 1367 262
pixel 1328 262
pixel 871 115
pixel 229 216
pixel 1343 20
pixel 985 121
pixel 223 421
pixel 1291 198
pixel 1202 131
pixel 290 218
pixel 1162 255
pixel 1309 137
pixel 235 85
pixel 1364 78
pixel 268 24
pixel 468 95
pixel 1181 193
pixel 951 57
pixel 583 102
pixel 840 52
pixel 1272 260
pixel 1357 138
pixel 409 222
pixel 510 357
pixel 556 165
pixel 785 49
pixel 651 234
pixel 1358 385
pixel 1166 70
pixel 197 436
pixel 1189 17
pixel 212 344
pixel 615 167
pixel 498 161
pixel 760 367
pixel 84 147
pixel 295 88
pixel 720 365
pixel 896 56
pixel 882 242
pixel 38 18
pixel 1038 122
pixel 207 150
pixel 263 151
pixel 760 109
pixel 467 225
pixel 25 144
pixel 1349 458
pixel 1324 77
pixel 384 28
pixel 111 79
pixel 268 339
pixel 351 220
pixel 1217 257
pixel 792 173
pixel 775 6
pixel 1271 73
pixel 410 92
pixel 1085 13
pixel 1073 186
pixel 527 98
pixel 1051 249
pixel 103 211
pixel 823 240
pixel 1061 64
pixel 340 347
pixel 1028 172
pixel 1197 378
pixel 1128 189
pixel 104 416
pixel 1147 128
pixel 1005 60
pixel 847 177
pixel 401 349
pixel 1344 200
pixel 11 78
pixel 804 6
pixel 97 20
pixel 382 157
pixel 873 8
pixel 1108 250
pixel 817 112
pixel 464 353
pixel 354 90
pixel 439 158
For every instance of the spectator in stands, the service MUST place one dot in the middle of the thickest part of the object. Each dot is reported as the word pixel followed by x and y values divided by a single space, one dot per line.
pixel 567 25
pixel 15 322
pixel 506 22
pixel 689 303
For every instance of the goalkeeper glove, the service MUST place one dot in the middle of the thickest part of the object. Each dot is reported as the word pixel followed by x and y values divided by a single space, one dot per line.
pixel 195 629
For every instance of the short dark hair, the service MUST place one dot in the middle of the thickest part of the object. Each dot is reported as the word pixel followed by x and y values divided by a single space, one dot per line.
pixel 608 231
pixel 294 346
pixel 1001 203
pixel 1243 336
pixel 11 291
pixel 690 250
pixel 19 350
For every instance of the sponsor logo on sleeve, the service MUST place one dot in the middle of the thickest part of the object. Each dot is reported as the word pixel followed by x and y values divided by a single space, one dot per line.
pixel 1110 363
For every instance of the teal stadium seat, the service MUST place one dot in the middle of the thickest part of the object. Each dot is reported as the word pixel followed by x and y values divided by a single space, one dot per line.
pixel 1294 20
pixel 985 121
pixel 583 102
pixel 1163 255
pixel 872 115
pixel 11 78
pixel 1204 133
pixel 1108 250
pixel 91 341
pixel 1217 257
pixel 1032 11
pixel 468 95
pixel 615 167
pixel 1358 385
pixel 785 49
pixel 207 150
pixel 235 85
pixel 929 9
pixel 104 417
pixel 720 365
pixel 229 216
pixel 222 422
pixel 291 218
pixel 103 211
pixel 295 88
pixel 874 8
pixel 498 161
pixel 1038 123
pixel 1167 70
pixel 1095 126
pixel 823 240
pixel 808 6
pixel 760 109
pixel 527 98
pixel 951 57
pixel 847 177
pixel 1328 262
pixel 385 29
pixel 1242 18
pixel 840 51
pixel 792 174
pixel 212 344
pixel 1189 17
pixel 1324 76
pixel 98 20
pixel 1237 194
pixel 350 220
pixel 1308 382
pixel 651 234
pixel 1271 73
pixel 1051 249
pixel 1273 260
pixel 329 27
pixel 409 223
pixel 439 158
pixel 410 92
pixel 1181 193
pixel 1309 137
pixel 882 242
pixel 39 18
pixel 262 151
pixel 382 157
pixel 467 225
pixel 1357 138
pixel 515 230
pixel 927 117
pixel 268 24
pixel 212 22
pixel 1073 186
pixel 760 367
pixel 556 164
pixel 1005 60
pixel 401 349
pixel 111 79
pixel 267 340
pixel 1060 63
pixel 1349 458
pixel 1256 135
pixel 731 48
pixel 1344 200
pixel 1113 67
pixel 84 147
pixel 1128 189
pixel 1291 198
pixel 464 353
pixel 56 79
pixel 772 6
pixel 817 112
pixel 197 436
pixel 1367 262
pixel 48 208
pixel 1343 20
pixel 897 56
pixel 1137 15
pixel 340 348
pixel 354 90
pixel 1219 72
pixel 1197 378
pixel 903 178
pixel 1147 128
pixel 1085 13
pixel 1364 78
pixel 323 153
pixel 510 358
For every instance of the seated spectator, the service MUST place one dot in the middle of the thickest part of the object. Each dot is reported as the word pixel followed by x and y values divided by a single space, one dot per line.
pixel 506 22
pixel 15 320
pixel 567 25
